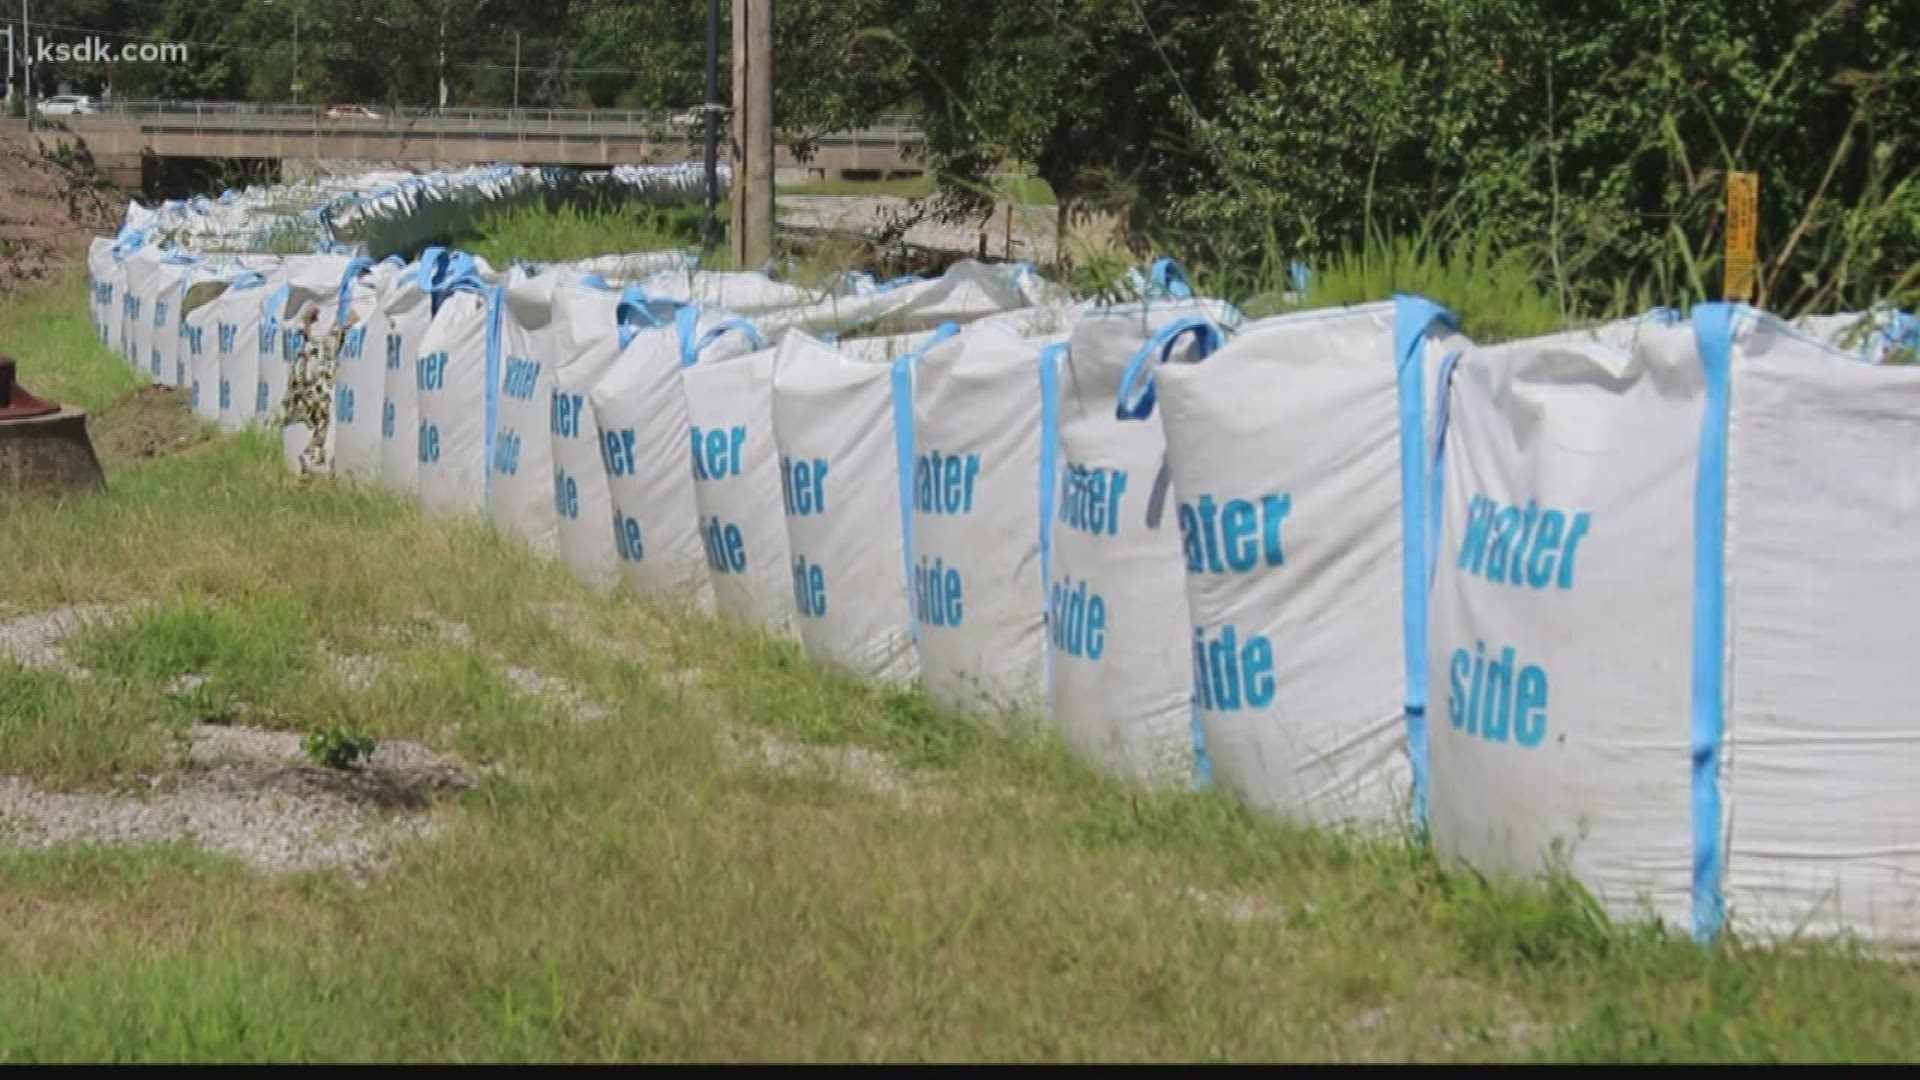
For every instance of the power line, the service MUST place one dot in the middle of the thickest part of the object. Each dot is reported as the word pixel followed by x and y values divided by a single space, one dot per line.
pixel 1206 128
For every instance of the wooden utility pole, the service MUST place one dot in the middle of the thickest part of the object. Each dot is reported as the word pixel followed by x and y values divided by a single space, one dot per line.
pixel 752 132
pixel 736 132
pixel 710 114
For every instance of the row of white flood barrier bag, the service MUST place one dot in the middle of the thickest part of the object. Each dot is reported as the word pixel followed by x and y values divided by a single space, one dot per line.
pixel 1632 602
pixel 380 211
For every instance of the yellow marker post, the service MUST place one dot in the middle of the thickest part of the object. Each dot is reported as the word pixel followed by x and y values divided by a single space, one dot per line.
pixel 1743 218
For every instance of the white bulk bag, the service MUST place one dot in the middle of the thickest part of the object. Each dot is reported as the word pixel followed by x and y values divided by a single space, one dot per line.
pixel 985 431
pixel 455 375
pixel 406 309
pixel 1298 452
pixel 521 498
pixel 742 517
pixel 207 333
pixel 1560 619
pixel 592 327
pixel 156 288
pixel 238 327
pixel 744 292
pixel 309 282
pixel 176 341
pixel 359 375
pixel 1117 602
pixel 967 291
pixel 137 271
pixel 103 276
pixel 631 267
pixel 844 429
pixel 1700 707
pixel 1804 680
pixel 1870 335
pixel 644 441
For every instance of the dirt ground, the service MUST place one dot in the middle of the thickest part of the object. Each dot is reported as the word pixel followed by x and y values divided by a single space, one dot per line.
pixel 49 210
pixel 150 422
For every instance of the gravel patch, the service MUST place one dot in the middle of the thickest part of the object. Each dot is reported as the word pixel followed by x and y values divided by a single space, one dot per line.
pixel 422 623
pixel 395 762
pixel 273 832
pixel 357 671
pixel 580 707
pixel 1234 907
pixel 869 770
pixel 35 640
pixel 570 621
pixel 251 794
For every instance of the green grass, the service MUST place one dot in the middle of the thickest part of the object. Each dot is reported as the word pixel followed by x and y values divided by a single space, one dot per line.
pixel 78 733
pixel 619 890
pixel 542 234
pixel 1498 294
pixel 40 328
pixel 904 187
pixel 243 647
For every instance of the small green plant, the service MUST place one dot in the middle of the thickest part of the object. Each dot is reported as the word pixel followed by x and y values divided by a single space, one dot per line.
pixel 201 704
pixel 337 747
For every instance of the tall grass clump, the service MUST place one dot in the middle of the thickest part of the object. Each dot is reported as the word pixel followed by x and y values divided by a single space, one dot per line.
pixel 567 232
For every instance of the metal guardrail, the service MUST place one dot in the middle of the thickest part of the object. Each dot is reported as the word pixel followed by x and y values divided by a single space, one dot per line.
pixel 227 115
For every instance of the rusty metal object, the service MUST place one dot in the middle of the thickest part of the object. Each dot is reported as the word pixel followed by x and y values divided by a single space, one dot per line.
pixel 16 403
pixel 44 446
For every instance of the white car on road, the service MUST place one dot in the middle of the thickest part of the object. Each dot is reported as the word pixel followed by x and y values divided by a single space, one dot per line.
pixel 67 105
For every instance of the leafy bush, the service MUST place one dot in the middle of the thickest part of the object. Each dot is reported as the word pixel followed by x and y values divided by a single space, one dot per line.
pixel 337 747
pixel 1594 136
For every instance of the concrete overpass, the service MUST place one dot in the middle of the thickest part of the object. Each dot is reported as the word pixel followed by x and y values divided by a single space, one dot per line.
pixel 124 136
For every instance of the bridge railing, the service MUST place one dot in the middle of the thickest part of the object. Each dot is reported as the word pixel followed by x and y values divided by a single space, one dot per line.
pixel 218 115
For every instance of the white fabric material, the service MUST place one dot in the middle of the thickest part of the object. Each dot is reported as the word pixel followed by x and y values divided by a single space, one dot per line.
pixel 359 377
pixel 743 292
pixel 637 266
pixel 404 314
pixel 642 417
pixel 239 324
pixel 1118 625
pixel 980 594
pixel 833 422
pixel 153 284
pixel 969 290
pixel 1285 451
pixel 521 498
pixel 740 505
pixel 307 283
pixel 1869 335
pixel 135 271
pixel 1820 812
pixel 451 379
pixel 172 342
pixel 175 342
pixel 586 342
pixel 200 339
pixel 102 286
pixel 1560 629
